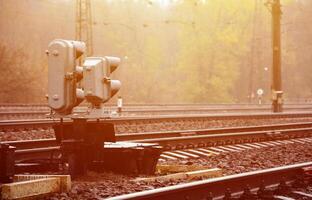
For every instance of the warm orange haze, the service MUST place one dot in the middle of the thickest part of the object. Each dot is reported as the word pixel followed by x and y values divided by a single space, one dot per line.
pixel 155 99
pixel 179 51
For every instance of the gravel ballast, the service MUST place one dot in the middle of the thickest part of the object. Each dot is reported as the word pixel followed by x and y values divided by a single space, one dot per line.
pixel 103 185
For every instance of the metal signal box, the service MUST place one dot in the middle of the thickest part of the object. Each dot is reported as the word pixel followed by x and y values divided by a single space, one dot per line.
pixel 95 72
pixel 114 85
pixel 62 55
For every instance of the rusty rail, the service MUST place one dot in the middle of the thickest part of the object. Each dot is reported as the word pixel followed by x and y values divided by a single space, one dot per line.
pixel 42 123
pixel 239 184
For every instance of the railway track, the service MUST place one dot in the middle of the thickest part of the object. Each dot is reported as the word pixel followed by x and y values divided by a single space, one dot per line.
pixel 270 130
pixel 179 140
pixel 274 183
pixel 107 185
pixel 189 144
pixel 11 112
pixel 43 123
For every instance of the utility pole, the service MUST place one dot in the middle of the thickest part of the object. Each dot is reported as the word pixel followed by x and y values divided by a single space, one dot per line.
pixel 277 92
pixel 84 24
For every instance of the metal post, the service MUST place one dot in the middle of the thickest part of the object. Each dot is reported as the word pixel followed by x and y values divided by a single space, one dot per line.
pixel 119 105
pixel 277 92
pixel 7 163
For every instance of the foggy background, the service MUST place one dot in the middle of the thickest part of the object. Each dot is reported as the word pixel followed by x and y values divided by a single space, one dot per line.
pixel 173 51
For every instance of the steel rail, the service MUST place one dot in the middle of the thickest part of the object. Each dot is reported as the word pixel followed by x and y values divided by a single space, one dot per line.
pixel 226 138
pixel 158 104
pixel 151 108
pixel 168 109
pixel 180 133
pixel 50 152
pixel 31 144
pixel 32 123
pixel 15 124
pixel 218 187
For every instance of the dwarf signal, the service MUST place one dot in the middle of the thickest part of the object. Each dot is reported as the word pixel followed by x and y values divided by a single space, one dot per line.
pixel 64 76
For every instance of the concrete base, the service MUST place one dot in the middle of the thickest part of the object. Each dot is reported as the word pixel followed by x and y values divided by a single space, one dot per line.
pixel 206 173
pixel 165 169
pixel 27 186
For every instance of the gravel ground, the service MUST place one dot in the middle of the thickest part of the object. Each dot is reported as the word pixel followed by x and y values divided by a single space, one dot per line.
pixel 12 135
pixel 139 127
pixel 101 185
